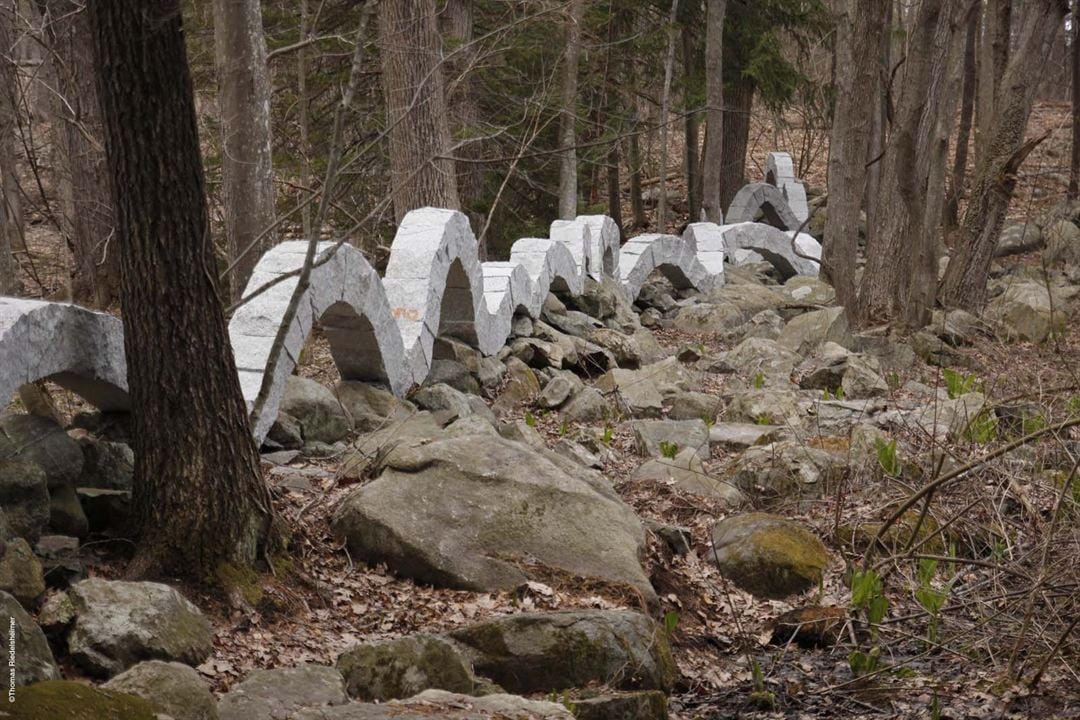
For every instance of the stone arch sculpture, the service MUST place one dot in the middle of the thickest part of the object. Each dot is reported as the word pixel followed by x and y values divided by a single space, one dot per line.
pixel 383 329
pixel 780 171
pixel 76 348
pixel 767 199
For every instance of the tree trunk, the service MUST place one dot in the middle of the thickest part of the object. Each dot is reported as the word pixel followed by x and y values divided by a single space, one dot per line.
pixel 246 150
pixel 691 124
pixel 637 203
pixel 993 56
pixel 568 185
pixel 457 27
pixel 665 112
pixel 860 32
pixel 88 209
pixel 879 126
pixel 422 170
pixel 712 170
pixel 963 132
pixel 303 115
pixel 895 243
pixel 994 181
pixel 10 215
pixel 199 500
pixel 736 128
pixel 1074 167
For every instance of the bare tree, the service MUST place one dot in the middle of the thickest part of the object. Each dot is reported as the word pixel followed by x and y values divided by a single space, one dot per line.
pixel 246 150
pixel 1004 149
pixel 665 112
pixel 568 184
pixel 993 56
pixel 860 31
pixel 422 172
pixel 711 199
pixel 457 28
pixel 1074 166
pixel 10 215
pixel 199 499
pixel 967 113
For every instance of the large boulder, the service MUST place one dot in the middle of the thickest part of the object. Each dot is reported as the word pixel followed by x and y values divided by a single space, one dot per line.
pixel 545 652
pixel 750 297
pixel 479 512
pixel 21 573
pixel 42 442
pixel 760 355
pixel 279 694
pixel 402 668
pixel 765 407
pixel 67 700
pixel 665 438
pixel 110 626
pixel 807 332
pixel 708 318
pixel 35 659
pixel 445 705
pixel 786 470
pixel 107 465
pixel 24 498
pixel 687 472
pixel 767 555
pixel 172 688
pixel 1026 311
pixel 321 416
pixel 634 392
pixel 1062 244
pixel 1018 238
pixel 372 407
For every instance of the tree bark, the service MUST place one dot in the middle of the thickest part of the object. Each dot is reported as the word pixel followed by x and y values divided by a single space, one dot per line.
pixel 860 31
pixel 963 132
pixel 691 123
pixel 422 171
pixel 740 103
pixel 457 27
pixel 994 182
pixel 10 214
pixel 665 112
pixel 879 125
pixel 993 56
pixel 711 203
pixel 637 203
pixel 1074 166
pixel 568 184
pixel 88 208
pixel 246 149
pixel 303 115
pixel 199 499
pixel 896 242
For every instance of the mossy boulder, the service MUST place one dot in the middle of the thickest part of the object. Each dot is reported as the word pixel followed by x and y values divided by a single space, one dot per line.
pixel 35 659
pixel 320 414
pixel 767 555
pixel 404 667
pixel 278 694
pixel 172 688
pixel 546 652
pixel 42 442
pixel 24 497
pixel 65 700
pixel 112 625
pixel 644 705
pixel 787 470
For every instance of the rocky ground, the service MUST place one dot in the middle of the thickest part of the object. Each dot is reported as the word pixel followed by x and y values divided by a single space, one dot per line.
pixel 694 505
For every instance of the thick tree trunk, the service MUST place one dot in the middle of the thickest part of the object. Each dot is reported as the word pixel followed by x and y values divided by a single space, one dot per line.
pixel 963 132
pixel 860 32
pixel 691 123
pixel 422 171
pixel 88 208
pixel 993 56
pixel 10 215
pixel 897 241
pixel 457 28
pixel 568 184
pixel 994 181
pixel 637 203
pixel 740 103
pixel 712 170
pixel 303 115
pixel 665 113
pixel 879 126
pixel 199 500
pixel 246 150
pixel 1074 167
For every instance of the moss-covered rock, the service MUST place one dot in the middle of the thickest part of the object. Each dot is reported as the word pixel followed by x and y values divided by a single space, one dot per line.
pixel 767 555
pixel 172 688
pixel 278 694
pixel 64 700
pixel 118 624
pixel 404 667
pixel 645 705
pixel 545 652
pixel 35 659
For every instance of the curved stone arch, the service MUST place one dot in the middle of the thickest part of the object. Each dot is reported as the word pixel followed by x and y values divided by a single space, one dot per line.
pixel 433 282
pixel 769 200
pixel 604 239
pixel 671 255
pixel 345 295
pixel 577 238
pixel 708 239
pixel 549 265
pixel 773 245
pixel 76 348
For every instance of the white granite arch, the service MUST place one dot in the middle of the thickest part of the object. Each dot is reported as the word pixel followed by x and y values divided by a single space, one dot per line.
pixel 345 295
pixel 780 171
pixel 603 245
pixel 767 199
pixel 775 246
pixel 673 256
pixel 708 238
pixel 76 348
